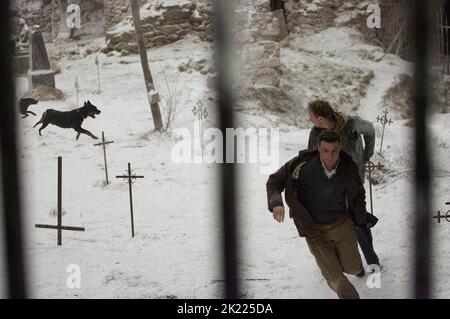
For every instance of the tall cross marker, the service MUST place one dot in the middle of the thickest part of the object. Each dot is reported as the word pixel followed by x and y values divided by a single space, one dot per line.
pixel 383 120
pixel 370 167
pixel 59 227
pixel 130 178
pixel 98 73
pixel 446 216
pixel 103 144
pixel 200 112
pixel 77 87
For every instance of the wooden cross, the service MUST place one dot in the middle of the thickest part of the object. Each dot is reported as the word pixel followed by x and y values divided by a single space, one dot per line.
pixel 77 87
pixel 383 120
pixel 98 73
pixel 439 216
pixel 103 144
pixel 200 113
pixel 446 216
pixel 59 226
pixel 130 178
pixel 369 168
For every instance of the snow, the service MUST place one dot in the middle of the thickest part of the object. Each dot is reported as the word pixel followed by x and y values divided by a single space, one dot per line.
pixel 345 47
pixel 175 251
pixel 41 72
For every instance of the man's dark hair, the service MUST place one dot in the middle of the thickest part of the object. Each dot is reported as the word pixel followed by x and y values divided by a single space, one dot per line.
pixel 329 136
pixel 321 108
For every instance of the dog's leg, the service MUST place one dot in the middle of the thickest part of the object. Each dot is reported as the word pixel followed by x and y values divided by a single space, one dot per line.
pixel 78 135
pixel 82 130
pixel 44 125
pixel 41 120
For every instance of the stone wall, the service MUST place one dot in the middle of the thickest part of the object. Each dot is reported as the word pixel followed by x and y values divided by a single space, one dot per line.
pixel 257 36
pixel 117 10
pixel 394 25
pixel 308 17
pixel 274 75
pixel 35 12
pixel 163 22
pixel 40 12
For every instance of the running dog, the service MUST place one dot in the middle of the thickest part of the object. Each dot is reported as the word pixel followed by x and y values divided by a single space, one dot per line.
pixel 24 104
pixel 70 119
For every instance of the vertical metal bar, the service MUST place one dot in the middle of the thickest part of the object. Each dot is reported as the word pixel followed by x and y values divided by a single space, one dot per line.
pixel 422 11
pixel 223 46
pixel 76 87
pixel 98 75
pixel 200 121
pixel 131 200
pixel 12 210
pixel 104 157
pixel 441 25
pixel 441 36
pixel 59 200
pixel 447 53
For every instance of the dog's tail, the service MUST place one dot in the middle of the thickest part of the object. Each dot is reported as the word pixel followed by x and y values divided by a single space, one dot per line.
pixel 42 119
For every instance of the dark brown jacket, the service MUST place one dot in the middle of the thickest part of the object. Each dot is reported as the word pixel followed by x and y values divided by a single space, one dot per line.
pixel 286 179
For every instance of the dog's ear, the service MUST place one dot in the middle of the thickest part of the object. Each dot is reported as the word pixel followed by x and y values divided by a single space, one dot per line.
pixel 85 103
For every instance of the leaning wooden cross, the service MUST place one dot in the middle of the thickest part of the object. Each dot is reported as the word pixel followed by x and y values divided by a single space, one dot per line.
pixel 370 167
pixel 77 87
pixel 59 227
pixel 98 73
pixel 383 120
pixel 103 144
pixel 130 178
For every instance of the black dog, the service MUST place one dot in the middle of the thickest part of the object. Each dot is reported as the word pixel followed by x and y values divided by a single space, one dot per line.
pixel 25 103
pixel 71 119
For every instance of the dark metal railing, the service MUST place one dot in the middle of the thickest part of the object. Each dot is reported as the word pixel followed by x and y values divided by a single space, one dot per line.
pixel 422 22
pixel 12 225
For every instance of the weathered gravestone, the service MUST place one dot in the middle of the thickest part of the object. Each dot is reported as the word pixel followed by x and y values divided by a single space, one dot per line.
pixel 40 72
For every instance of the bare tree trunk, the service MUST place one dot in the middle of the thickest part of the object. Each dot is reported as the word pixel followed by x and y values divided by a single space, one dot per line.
pixel 153 96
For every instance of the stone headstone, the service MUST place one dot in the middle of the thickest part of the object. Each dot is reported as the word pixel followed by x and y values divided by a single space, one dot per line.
pixel 40 72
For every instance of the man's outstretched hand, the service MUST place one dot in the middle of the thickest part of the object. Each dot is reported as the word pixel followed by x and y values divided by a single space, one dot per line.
pixel 278 213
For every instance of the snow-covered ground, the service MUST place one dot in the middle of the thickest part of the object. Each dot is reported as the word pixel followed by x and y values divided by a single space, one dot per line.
pixel 176 250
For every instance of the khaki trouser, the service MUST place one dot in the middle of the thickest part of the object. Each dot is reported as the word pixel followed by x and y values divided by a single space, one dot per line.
pixel 336 252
